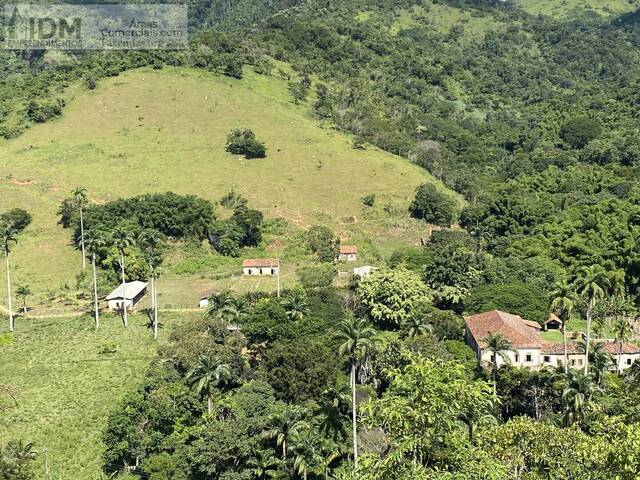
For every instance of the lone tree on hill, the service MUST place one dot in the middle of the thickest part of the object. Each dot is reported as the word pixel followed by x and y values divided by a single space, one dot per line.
pixel 80 196
pixel 433 206
pixel 7 237
pixel 243 142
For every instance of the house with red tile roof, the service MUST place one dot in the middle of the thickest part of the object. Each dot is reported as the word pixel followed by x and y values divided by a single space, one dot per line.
pixel 530 350
pixel 348 253
pixel 260 266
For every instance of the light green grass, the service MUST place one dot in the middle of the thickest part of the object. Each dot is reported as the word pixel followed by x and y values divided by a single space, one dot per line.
pixel 564 8
pixel 65 387
pixel 154 131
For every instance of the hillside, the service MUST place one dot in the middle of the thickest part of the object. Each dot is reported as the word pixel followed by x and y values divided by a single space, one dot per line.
pixel 155 131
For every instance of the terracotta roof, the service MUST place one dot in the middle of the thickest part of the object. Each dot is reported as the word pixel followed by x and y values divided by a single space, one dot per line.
pixel 348 250
pixel 260 263
pixel 532 324
pixel 512 327
pixel 612 348
pixel 552 318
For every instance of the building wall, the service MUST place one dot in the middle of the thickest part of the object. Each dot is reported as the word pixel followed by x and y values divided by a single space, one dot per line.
pixel 522 357
pixel 204 302
pixel 260 271
pixel 117 304
pixel 626 360
pixel 576 360
pixel 351 257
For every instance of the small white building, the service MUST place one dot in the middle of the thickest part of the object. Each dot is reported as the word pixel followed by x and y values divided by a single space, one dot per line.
pixel 129 294
pixel 261 266
pixel 364 271
pixel 348 253
pixel 204 300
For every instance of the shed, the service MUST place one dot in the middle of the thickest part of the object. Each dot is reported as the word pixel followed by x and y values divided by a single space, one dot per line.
pixel 129 294
pixel 552 323
pixel 348 253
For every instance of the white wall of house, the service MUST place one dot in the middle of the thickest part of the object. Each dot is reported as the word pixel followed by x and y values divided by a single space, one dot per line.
pixel 116 304
pixel 350 257
pixel 203 303
pixel 522 357
pixel 553 360
pixel 626 360
pixel 260 270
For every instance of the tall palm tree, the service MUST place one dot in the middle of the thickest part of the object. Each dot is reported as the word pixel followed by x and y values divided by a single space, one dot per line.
pixel 151 241
pixel 79 194
pixel 122 239
pixel 599 359
pixel 93 241
pixel 562 300
pixel 623 332
pixel 295 304
pixel 577 391
pixel 498 346
pixel 592 283
pixel 23 291
pixel 207 374
pixel 7 237
pixel 357 336
pixel 417 324
pixel 283 426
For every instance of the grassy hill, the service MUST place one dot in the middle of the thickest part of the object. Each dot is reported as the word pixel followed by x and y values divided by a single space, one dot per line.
pixel 67 377
pixel 153 131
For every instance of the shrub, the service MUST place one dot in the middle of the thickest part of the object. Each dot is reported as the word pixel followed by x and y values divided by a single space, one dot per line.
pixel 243 142
pixel 433 206
pixel 369 200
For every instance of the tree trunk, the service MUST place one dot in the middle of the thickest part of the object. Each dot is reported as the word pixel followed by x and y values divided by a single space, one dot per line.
pixel 284 450
pixel 95 291
pixel 84 259
pixel 564 346
pixel 620 358
pixel 124 293
pixel 588 341
pixel 209 404
pixel 11 326
pixel 155 309
pixel 354 414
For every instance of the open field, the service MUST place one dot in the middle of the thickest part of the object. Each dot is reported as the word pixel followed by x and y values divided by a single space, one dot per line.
pixel 67 376
pixel 563 8
pixel 153 131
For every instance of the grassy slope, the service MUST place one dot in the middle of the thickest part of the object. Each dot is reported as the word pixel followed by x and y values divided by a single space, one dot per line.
pixel 149 131
pixel 563 8
pixel 65 387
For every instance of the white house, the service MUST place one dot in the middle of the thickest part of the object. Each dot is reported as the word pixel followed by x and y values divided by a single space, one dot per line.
pixel 529 349
pixel 134 291
pixel 260 266
pixel 348 253
pixel 364 271
pixel 204 300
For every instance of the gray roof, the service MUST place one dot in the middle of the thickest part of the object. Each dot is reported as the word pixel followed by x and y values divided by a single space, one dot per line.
pixel 132 290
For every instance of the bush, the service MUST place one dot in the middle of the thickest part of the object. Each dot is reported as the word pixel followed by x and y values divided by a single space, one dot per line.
pixel 244 142
pixel 433 206
pixel 369 200
pixel 17 218
pixel 323 243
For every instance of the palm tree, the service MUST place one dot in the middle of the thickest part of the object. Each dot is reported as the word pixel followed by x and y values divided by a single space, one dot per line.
pixel 7 237
pixel 284 426
pixel 623 332
pixel 577 391
pixel 563 298
pixel 417 324
pixel 93 241
pixel 220 306
pixel 122 239
pixel 498 346
pixel 151 241
pixel 592 283
pixel 80 196
pixel 357 336
pixel 207 374
pixel 264 466
pixel 23 291
pixel 296 305
pixel 307 453
pixel 599 359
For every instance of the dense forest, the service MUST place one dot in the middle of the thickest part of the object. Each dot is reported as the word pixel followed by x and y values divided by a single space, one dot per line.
pixel 534 122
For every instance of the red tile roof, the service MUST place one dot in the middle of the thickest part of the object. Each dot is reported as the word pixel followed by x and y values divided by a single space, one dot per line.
pixel 532 324
pixel 260 263
pixel 611 348
pixel 512 327
pixel 348 250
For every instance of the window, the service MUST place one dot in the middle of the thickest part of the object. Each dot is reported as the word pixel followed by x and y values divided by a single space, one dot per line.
pixel 528 358
pixel 580 362
pixel 629 362
pixel 517 358
pixel 547 359
pixel 493 358
pixel 573 363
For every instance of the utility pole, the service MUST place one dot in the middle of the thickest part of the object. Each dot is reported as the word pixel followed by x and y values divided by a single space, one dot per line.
pixel 278 277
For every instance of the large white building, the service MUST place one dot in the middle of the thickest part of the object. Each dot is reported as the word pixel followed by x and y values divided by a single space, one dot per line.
pixel 260 266
pixel 134 291
pixel 530 350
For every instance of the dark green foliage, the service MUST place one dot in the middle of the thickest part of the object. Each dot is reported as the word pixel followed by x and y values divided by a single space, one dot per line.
pixel 244 142
pixel 579 131
pixel 317 278
pixel 323 243
pixel 433 206
pixel 369 200
pixel 519 298
pixel 242 229
pixel 40 111
pixel 17 218
pixel 301 369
